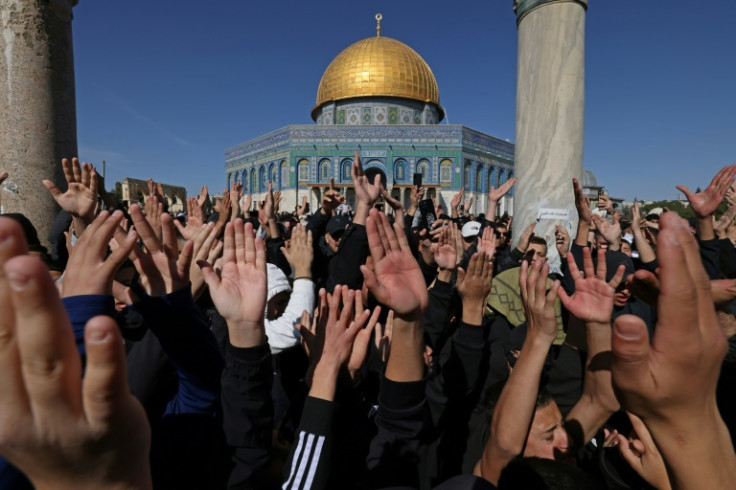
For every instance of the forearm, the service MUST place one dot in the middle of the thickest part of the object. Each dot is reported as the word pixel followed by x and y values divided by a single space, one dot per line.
pixel 515 409
pixel 406 358
pixel 491 210
pixel 698 453
pixel 646 253
pixel 705 228
pixel 598 401
pixel 361 213
pixel 581 238
pixel 273 228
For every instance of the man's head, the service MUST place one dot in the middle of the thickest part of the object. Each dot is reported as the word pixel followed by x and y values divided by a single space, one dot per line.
pixel 537 249
pixel 279 293
pixel 547 436
pixel 470 231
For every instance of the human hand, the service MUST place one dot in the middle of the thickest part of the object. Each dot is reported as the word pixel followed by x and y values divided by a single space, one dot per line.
pixel 539 308
pixel 153 211
pixel 474 286
pixel 726 220
pixel 446 249
pixel 593 298
pixel 300 252
pixel 203 196
pixel 416 194
pixel 635 217
pixel 248 204
pixel 706 202
pixel 382 337
pixel 236 194
pixel 60 430
pixel 207 248
pixel 330 199
pixel 239 290
pixel 195 220
pixel 397 281
pixel 467 205
pixel 582 203
pixel 487 244
pixel 642 454
pixel 671 382
pixel 604 202
pixel 224 211
pixel 3 177
pixel 610 231
pixel 88 270
pixel 302 210
pixel 645 286
pixel 268 206
pixel 363 338
pixel 395 205
pixel 162 269
pixel 80 198
pixel 365 192
pixel 457 199
pixel 562 241
pixel 526 237
pixel 495 194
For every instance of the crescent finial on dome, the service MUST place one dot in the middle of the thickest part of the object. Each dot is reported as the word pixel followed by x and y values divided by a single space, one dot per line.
pixel 378 24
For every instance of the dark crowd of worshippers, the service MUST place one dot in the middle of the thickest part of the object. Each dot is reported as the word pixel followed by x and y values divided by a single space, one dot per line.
pixel 351 347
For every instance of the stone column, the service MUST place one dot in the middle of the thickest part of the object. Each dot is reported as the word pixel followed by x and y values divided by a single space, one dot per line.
pixel 37 102
pixel 550 101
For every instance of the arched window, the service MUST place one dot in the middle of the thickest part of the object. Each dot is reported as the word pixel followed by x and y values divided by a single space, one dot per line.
pixel 244 180
pixel 273 173
pixel 231 180
pixel 400 170
pixel 479 178
pixel 284 180
pixel 262 178
pixel 303 168
pixel 466 176
pixel 253 180
pixel 423 168
pixel 446 171
pixel 345 170
pixel 325 170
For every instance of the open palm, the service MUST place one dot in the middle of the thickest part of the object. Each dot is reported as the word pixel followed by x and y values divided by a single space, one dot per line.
pixel 396 281
pixel 593 298
pixel 706 202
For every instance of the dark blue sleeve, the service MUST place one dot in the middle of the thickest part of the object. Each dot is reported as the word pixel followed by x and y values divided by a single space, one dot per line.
pixel 81 309
pixel 191 347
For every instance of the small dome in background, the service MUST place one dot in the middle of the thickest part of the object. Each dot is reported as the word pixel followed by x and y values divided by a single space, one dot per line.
pixel 589 179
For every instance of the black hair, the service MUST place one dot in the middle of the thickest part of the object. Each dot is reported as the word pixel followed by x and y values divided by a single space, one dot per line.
pixel 543 474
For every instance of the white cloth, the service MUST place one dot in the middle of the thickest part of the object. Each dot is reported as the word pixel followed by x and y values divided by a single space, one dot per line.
pixel 281 332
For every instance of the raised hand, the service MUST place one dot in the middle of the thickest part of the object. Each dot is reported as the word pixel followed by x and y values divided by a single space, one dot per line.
pixel 593 298
pixel 363 338
pixel 207 248
pixel 562 241
pixel 195 220
pixel 302 209
pixel 239 290
pixel 331 199
pixel 449 248
pixel 300 252
pixel 474 286
pixel 162 269
pixel 54 422
pixel 526 237
pixel 80 198
pixel 397 281
pixel 236 194
pixel 706 202
pixel 495 194
pixel 670 381
pixel 455 202
pixel 90 270
pixel 610 231
pixel 153 211
pixel 582 203
pixel 203 195
pixel 487 243
pixel 366 193
pixel 395 205
pixel 640 451
pixel 539 305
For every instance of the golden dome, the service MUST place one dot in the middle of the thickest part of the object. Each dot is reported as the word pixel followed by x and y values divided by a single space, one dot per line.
pixel 378 66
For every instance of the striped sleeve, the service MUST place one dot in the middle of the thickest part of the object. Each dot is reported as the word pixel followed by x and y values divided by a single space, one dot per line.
pixel 308 464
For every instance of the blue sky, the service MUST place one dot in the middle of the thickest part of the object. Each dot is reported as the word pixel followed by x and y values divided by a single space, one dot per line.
pixel 164 87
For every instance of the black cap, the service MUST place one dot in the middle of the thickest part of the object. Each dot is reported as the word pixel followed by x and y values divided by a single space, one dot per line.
pixel 337 225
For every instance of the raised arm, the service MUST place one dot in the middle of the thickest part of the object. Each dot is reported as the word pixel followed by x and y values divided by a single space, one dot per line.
pixel 513 414
pixel 585 215
pixel 592 304
pixel 646 252
pixel 495 195
pixel 671 383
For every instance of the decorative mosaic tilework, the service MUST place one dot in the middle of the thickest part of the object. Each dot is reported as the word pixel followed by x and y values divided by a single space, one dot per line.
pixel 353 116
pixel 379 115
pixel 340 117
pixel 417 117
pixel 393 115
pixel 405 116
pixel 367 115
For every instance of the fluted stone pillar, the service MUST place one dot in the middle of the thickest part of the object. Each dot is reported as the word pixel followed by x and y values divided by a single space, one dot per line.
pixel 37 102
pixel 550 102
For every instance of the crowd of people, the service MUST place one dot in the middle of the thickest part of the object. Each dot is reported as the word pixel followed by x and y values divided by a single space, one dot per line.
pixel 351 348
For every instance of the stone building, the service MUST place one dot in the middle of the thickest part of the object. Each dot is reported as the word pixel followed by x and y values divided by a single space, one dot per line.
pixel 380 98
pixel 133 191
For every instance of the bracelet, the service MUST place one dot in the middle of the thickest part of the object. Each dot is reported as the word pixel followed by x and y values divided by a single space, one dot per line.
pixel 308 278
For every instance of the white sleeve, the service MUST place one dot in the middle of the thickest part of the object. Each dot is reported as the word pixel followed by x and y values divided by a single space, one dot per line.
pixel 281 332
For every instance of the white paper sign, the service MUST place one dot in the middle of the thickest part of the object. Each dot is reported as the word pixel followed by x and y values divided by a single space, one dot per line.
pixel 560 214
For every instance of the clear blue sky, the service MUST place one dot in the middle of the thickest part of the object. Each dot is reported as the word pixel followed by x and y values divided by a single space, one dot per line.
pixel 164 87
